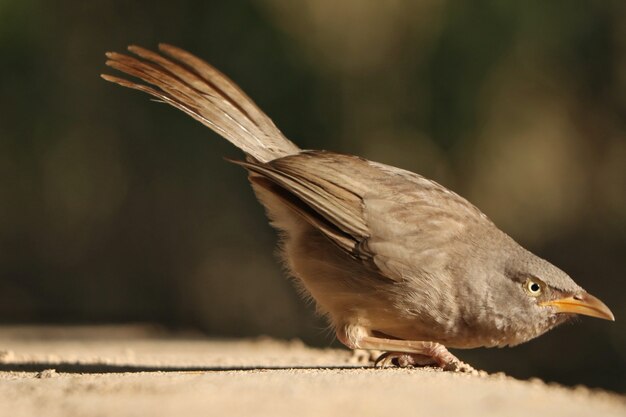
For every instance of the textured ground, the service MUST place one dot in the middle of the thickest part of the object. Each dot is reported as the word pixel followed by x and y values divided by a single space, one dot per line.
pixel 136 371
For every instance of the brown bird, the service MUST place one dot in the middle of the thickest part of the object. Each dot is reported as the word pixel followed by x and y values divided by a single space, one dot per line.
pixel 395 261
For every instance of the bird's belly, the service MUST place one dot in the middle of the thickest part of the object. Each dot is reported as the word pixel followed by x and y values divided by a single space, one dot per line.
pixel 349 293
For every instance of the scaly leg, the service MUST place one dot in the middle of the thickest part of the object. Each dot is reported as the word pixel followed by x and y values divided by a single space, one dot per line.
pixel 403 352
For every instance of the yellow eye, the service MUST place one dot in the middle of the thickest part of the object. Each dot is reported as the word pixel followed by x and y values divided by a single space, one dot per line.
pixel 533 287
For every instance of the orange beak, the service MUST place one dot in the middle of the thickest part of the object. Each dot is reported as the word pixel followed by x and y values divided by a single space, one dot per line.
pixel 585 304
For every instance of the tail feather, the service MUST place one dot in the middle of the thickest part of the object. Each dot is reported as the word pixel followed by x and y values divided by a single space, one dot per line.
pixel 196 88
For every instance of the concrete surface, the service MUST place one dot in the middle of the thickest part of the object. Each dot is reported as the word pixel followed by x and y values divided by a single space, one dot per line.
pixel 142 371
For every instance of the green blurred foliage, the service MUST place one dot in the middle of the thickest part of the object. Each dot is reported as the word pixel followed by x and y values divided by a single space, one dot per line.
pixel 116 209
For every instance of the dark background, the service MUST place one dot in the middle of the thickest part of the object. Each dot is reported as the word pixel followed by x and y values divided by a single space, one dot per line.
pixel 116 209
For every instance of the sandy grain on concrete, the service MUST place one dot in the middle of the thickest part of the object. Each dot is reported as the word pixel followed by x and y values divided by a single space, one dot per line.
pixel 135 371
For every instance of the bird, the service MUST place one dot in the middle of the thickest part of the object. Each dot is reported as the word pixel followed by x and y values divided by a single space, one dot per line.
pixel 396 262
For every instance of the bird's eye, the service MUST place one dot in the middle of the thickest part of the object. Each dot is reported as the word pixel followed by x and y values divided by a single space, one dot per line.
pixel 533 287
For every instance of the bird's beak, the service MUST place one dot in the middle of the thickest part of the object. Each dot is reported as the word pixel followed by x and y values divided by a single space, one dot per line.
pixel 584 303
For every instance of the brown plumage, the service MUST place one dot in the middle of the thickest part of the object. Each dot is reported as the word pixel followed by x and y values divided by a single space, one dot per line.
pixel 395 261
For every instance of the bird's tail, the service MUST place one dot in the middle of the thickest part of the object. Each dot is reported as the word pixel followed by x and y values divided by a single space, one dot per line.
pixel 195 87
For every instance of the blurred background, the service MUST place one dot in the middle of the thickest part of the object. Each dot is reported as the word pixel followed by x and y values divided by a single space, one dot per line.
pixel 116 209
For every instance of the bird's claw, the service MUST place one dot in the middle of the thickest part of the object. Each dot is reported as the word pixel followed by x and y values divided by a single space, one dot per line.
pixel 385 360
pixel 461 367
pixel 403 360
pixel 408 360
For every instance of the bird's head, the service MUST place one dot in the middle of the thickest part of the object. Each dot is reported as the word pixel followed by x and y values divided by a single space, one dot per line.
pixel 542 296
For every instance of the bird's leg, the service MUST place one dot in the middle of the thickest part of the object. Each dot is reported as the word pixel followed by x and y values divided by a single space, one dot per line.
pixel 403 352
pixel 411 353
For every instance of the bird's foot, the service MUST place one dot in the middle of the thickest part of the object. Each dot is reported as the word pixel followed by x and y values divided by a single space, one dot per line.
pixel 448 362
pixel 462 367
pixel 403 353
pixel 403 360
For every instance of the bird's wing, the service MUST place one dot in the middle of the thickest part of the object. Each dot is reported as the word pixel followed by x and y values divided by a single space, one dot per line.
pixel 417 224
pixel 313 187
pixel 387 217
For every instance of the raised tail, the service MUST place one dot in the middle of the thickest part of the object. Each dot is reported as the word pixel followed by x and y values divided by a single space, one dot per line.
pixel 195 87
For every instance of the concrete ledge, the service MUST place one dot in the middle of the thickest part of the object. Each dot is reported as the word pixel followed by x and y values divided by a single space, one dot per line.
pixel 136 371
